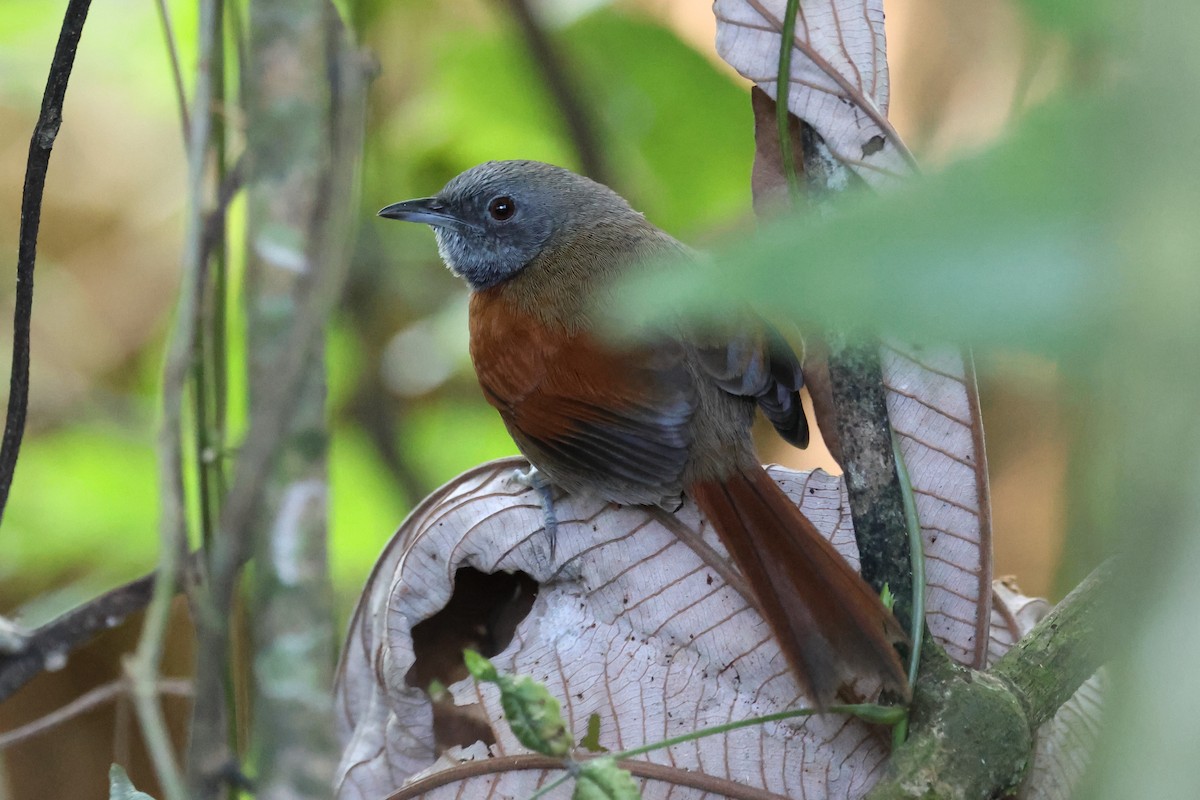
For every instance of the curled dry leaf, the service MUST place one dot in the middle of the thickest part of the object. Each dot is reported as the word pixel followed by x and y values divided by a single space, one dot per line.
pixel 635 620
pixel 631 622
pixel 934 411
pixel 839 74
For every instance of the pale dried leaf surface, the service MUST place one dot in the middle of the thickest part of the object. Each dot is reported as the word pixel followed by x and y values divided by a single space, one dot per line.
pixel 630 623
pixel 934 411
pixel 1065 743
pixel 839 74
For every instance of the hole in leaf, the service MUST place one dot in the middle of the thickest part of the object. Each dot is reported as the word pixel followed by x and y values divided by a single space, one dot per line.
pixel 482 614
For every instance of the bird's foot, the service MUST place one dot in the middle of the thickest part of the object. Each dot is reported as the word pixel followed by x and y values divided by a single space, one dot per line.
pixel 535 479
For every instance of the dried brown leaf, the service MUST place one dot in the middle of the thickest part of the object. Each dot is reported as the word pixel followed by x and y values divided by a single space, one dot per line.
pixel 768 181
pixel 934 411
pixel 631 624
pixel 839 74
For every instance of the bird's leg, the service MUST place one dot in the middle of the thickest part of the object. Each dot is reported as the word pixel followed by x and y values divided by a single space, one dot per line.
pixel 671 503
pixel 535 479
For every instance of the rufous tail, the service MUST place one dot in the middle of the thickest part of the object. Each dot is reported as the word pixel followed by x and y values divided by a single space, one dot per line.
pixel 830 624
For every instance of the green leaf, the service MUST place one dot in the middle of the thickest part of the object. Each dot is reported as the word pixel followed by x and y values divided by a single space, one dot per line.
pixel 602 779
pixel 878 715
pixel 660 104
pixel 443 439
pixel 121 788
pixel 532 712
pixel 480 668
pixel 887 598
pixel 654 101
pixel 366 506
pixel 1009 248
pixel 591 740
pixel 533 715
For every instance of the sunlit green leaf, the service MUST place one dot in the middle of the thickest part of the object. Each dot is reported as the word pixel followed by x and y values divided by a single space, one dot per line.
pixel 445 439
pixel 481 669
pixel 678 130
pixel 1080 19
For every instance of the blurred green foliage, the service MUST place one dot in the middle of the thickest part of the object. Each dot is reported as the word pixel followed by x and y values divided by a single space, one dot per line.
pixel 1004 249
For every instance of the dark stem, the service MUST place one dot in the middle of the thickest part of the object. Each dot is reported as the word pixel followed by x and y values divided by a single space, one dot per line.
pixel 553 69
pixel 864 432
pixel 876 500
pixel 72 630
pixel 40 144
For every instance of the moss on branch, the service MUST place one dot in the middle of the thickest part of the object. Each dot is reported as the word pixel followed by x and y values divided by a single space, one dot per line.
pixel 972 733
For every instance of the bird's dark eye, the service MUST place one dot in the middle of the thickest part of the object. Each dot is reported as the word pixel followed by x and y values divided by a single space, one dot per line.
pixel 502 208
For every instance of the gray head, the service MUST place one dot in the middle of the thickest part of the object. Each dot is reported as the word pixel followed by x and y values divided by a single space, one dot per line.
pixel 494 219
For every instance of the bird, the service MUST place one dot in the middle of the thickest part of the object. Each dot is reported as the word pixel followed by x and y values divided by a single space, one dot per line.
pixel 644 421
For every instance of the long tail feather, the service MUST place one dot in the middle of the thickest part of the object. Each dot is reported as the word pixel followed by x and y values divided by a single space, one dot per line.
pixel 830 624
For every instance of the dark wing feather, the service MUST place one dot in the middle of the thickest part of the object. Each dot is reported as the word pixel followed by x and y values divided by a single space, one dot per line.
pixel 760 364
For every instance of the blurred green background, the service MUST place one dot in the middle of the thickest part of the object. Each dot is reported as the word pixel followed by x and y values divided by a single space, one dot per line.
pixel 457 84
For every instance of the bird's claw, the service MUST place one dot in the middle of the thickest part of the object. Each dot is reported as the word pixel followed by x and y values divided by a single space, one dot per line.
pixel 535 479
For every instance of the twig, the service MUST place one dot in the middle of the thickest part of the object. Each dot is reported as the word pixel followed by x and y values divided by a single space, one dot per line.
pixel 865 435
pixel 36 166
pixel 176 71
pixel 973 731
pixel 554 71
pixel 61 636
pixel 675 776
pixel 1063 650
pixel 214 221
pixel 142 667
pixel 209 364
pixel 86 702
pixel 272 414
pixel 709 784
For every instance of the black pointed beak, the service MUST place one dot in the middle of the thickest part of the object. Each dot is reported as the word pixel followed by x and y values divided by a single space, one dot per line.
pixel 427 210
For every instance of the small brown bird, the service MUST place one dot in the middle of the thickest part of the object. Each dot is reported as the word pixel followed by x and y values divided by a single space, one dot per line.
pixel 541 249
